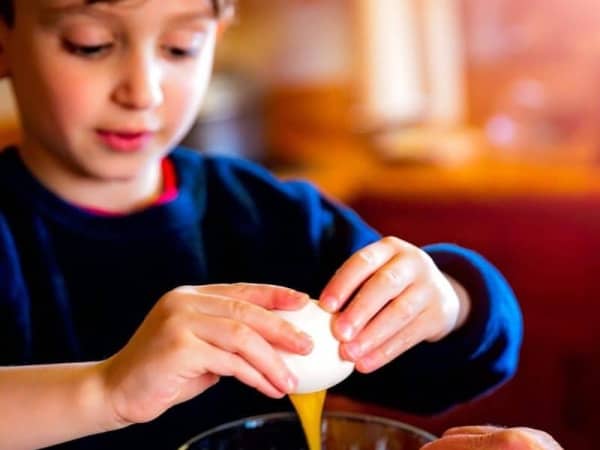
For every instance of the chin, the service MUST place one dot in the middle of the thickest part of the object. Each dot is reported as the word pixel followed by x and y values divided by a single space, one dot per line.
pixel 122 172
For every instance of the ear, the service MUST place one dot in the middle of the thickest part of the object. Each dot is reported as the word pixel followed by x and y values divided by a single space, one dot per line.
pixel 225 20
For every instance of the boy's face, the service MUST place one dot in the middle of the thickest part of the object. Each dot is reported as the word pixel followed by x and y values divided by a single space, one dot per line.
pixel 105 90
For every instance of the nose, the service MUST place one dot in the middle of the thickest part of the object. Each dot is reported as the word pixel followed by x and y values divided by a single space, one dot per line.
pixel 140 85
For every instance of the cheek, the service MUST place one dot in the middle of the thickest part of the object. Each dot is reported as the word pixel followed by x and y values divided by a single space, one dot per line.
pixel 184 98
pixel 187 87
pixel 74 97
pixel 55 93
pixel 185 95
pixel 50 85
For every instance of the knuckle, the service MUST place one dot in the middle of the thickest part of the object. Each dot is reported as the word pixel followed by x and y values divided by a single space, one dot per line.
pixel 369 256
pixel 185 289
pixel 400 344
pixel 393 241
pixel 511 439
pixel 171 324
pixel 238 310
pixel 243 290
pixel 430 294
pixel 392 275
pixel 282 328
pixel 384 352
pixel 406 309
pixel 170 318
pixel 175 334
pixel 178 300
pixel 420 259
pixel 233 365
pixel 400 245
pixel 425 260
pixel 170 303
pixel 240 333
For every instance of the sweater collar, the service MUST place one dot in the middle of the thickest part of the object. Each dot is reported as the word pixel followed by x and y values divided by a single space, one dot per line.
pixel 184 209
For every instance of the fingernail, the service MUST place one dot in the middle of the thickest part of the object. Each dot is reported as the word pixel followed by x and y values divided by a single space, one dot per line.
pixel 291 383
pixel 368 363
pixel 346 330
pixel 330 303
pixel 354 350
pixel 304 343
pixel 304 297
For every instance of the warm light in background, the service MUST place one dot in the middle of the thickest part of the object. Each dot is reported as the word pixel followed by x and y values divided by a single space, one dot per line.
pixel 534 71
pixel 521 75
pixel 515 79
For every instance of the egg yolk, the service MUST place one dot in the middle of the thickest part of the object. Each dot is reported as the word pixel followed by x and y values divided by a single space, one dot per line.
pixel 309 407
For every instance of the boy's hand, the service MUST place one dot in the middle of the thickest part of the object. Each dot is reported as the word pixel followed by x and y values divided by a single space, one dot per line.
pixel 393 297
pixel 194 335
pixel 494 438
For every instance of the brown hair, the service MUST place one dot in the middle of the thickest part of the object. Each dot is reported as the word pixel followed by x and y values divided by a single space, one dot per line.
pixel 7 13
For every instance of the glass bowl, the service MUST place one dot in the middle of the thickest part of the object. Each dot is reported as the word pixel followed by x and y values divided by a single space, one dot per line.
pixel 340 431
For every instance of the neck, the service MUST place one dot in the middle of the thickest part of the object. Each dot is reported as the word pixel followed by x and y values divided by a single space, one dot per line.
pixel 118 195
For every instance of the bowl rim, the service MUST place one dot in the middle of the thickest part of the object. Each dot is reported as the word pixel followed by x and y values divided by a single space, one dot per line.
pixel 291 414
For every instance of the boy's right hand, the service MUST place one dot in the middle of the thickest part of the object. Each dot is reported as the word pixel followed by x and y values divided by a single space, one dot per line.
pixel 194 335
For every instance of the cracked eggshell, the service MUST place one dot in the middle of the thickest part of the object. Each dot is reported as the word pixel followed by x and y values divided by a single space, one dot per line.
pixel 322 368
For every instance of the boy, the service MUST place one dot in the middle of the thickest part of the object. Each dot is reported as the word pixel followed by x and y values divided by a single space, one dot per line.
pixel 133 277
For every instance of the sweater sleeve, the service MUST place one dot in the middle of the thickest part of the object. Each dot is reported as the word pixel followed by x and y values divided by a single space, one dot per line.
pixel 14 313
pixel 472 360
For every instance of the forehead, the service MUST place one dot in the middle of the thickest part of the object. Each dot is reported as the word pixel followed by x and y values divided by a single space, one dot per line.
pixel 76 6
pixel 152 13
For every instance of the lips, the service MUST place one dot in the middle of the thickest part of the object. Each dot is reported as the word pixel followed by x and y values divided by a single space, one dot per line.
pixel 125 141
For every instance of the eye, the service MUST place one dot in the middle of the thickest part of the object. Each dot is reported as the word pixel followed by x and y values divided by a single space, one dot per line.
pixel 87 51
pixel 181 53
pixel 184 44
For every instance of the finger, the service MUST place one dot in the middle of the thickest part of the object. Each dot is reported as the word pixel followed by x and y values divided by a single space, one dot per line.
pixel 356 270
pixel 273 328
pixel 461 442
pixel 266 295
pixel 393 318
pixel 412 334
pixel 542 439
pixel 386 283
pixel 478 429
pixel 224 363
pixel 238 338
pixel 492 438
pixel 503 438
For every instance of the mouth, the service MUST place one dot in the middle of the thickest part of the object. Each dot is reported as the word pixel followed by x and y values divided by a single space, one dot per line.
pixel 125 140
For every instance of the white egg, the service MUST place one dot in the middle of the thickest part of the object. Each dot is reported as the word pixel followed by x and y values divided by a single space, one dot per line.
pixel 322 368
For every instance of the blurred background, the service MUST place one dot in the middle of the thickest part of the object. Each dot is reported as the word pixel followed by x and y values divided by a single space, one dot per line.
pixel 466 121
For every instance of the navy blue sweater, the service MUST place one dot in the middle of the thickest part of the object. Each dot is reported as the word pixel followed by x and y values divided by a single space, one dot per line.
pixel 74 286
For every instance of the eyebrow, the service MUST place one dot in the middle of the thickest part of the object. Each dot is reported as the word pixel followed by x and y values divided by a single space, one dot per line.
pixel 52 13
pixel 193 16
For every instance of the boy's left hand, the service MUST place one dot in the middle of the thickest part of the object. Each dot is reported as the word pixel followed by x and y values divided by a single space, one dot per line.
pixel 393 297
pixel 494 438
